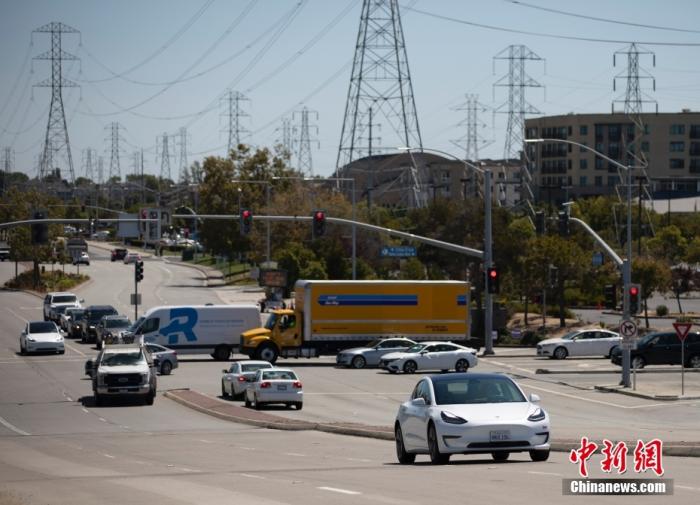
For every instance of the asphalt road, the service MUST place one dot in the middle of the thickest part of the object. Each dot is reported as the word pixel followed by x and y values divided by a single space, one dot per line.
pixel 56 447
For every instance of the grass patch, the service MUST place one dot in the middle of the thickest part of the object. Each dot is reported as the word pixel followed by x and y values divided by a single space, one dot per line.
pixel 48 281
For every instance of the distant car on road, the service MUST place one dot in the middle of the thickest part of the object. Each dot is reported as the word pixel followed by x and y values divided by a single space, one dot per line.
pixel 662 348
pixel 72 319
pixel 118 254
pixel 41 336
pixel 92 317
pixel 590 342
pixel 82 259
pixel 274 385
pixel 100 235
pixel 360 357
pixel 475 413
pixel 132 257
pixel 167 358
pixel 236 378
pixel 108 329
pixel 55 299
pixel 431 356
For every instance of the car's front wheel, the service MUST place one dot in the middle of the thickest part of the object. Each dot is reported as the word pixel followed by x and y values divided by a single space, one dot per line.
pixel 560 353
pixel 539 455
pixel 638 362
pixel 358 362
pixel 404 457
pixel 436 457
pixel 410 367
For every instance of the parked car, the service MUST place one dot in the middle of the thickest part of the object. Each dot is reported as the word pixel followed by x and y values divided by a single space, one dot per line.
pixel 118 254
pixel 55 299
pixel 662 348
pixel 274 385
pixel 41 336
pixel 92 317
pixel 431 356
pixel 237 377
pixel 132 257
pixel 476 413
pixel 166 357
pixel 100 235
pixel 590 342
pixel 82 259
pixel 108 329
pixel 360 357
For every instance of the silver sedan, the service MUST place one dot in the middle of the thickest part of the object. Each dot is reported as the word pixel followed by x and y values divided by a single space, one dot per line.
pixel 360 357
pixel 236 378
pixel 166 357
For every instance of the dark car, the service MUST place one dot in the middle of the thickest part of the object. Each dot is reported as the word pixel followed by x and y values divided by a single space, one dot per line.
pixel 75 327
pixel 662 348
pixel 92 317
pixel 118 254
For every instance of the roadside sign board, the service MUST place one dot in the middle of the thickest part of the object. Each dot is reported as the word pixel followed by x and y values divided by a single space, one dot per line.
pixel 628 332
pixel 398 252
pixel 273 278
pixel 135 298
pixel 682 330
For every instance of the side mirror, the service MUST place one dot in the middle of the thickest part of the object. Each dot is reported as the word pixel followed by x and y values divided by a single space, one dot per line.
pixel 224 371
pixel 82 300
pixel 418 402
pixel 423 353
pixel 534 398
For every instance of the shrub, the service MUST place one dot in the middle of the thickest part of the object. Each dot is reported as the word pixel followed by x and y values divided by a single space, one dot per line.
pixel 661 310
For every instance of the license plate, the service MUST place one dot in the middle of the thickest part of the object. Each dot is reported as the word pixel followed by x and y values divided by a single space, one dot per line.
pixel 123 390
pixel 281 387
pixel 500 435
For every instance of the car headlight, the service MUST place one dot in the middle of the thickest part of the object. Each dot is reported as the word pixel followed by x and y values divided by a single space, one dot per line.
pixel 538 415
pixel 30 339
pixel 450 418
pixel 144 378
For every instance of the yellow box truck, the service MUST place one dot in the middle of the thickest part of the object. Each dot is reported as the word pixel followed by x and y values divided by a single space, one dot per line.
pixel 329 316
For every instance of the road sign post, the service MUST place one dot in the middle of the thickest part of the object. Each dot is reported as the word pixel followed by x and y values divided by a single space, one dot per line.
pixel 628 332
pixel 682 330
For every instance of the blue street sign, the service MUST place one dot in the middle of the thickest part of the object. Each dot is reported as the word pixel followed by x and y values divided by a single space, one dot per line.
pixel 398 252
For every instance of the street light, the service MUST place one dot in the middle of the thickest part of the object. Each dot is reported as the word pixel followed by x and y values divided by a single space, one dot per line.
pixel 627 263
pixel 354 228
pixel 488 241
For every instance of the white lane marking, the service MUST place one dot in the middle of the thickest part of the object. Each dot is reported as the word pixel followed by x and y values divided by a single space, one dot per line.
pixel 251 476
pixel 74 349
pixel 361 460
pixel 205 441
pixel 16 315
pixel 338 490
pixel 109 456
pixel 102 419
pixel 600 402
pixel 23 360
pixel 14 428
pixel 247 448
pixel 547 473
pixel 86 410
pixel 677 486
pixel 505 365
pixel 295 454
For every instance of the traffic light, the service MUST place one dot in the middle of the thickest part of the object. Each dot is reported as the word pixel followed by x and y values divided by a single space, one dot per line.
pixel 319 227
pixel 40 231
pixel 553 276
pixel 610 296
pixel 492 279
pixel 563 223
pixel 138 271
pixel 539 223
pixel 634 293
pixel 246 221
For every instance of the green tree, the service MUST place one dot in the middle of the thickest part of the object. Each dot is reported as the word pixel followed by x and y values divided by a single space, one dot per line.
pixel 669 244
pixel 653 275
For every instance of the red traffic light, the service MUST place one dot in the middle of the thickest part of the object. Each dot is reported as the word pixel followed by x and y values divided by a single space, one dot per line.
pixel 246 214
pixel 634 290
pixel 319 215
pixel 493 273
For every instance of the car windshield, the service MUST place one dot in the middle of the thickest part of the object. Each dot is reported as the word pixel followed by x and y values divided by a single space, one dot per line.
pixel 117 323
pixel 64 299
pixel 279 375
pixel 374 344
pixel 254 367
pixel 60 309
pixel 416 348
pixel 96 315
pixel 76 314
pixel 123 358
pixel 42 327
pixel 476 390
pixel 271 322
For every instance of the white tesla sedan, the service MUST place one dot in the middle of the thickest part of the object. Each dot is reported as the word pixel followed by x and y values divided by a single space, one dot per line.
pixel 41 336
pixel 591 342
pixel 430 356
pixel 476 413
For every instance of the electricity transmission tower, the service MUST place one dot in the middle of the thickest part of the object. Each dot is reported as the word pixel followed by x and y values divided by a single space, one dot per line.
pixel 232 102
pixel 100 170
pixel 380 86
pixel 304 163
pixel 517 81
pixel 8 160
pixel 56 140
pixel 164 155
pixel 472 140
pixel 285 134
pixel 89 160
pixel 182 144
pixel 115 173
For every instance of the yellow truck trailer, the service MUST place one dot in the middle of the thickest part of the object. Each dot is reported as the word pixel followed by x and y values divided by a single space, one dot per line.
pixel 329 316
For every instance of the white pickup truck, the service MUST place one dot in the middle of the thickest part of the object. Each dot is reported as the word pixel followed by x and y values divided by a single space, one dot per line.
pixel 124 370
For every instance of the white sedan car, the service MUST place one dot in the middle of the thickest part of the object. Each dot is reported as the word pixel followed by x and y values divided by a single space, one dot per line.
pixel 235 380
pixel 360 357
pixel 592 342
pixel 476 413
pixel 274 385
pixel 430 356
pixel 41 336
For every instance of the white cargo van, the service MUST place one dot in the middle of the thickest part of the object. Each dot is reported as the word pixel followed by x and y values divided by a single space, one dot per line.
pixel 198 329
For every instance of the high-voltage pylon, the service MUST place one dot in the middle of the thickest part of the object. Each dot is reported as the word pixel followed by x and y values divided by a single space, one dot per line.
pixel 8 160
pixel 113 139
pixel 285 136
pixel 89 161
pixel 182 158
pixel 303 151
pixel 634 99
pixel 232 102
pixel 472 140
pixel 136 162
pixel 380 81
pixel 164 156
pixel 516 80
pixel 100 170
pixel 56 140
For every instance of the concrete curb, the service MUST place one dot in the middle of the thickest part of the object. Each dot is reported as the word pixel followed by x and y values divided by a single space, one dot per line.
pixel 683 449
pixel 636 394
pixel 545 371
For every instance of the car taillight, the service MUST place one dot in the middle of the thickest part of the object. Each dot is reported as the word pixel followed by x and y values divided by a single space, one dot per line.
pixel 297 384
pixel 265 385
pixel 241 378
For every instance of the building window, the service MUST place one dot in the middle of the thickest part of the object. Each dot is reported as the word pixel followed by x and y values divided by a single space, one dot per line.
pixel 677 147
pixel 598 181
pixel 582 149
pixel 599 163
pixel 677 129
pixel 695 148
pixel 582 181
pixel 446 176
pixel 676 163
pixel 695 131
pixel 532 132
pixel 645 147
pixel 647 130
pixel 613 180
pixel 600 147
pixel 695 165
pixel 583 163
pixel 583 129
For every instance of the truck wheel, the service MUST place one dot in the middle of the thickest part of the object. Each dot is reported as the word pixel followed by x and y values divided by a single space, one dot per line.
pixel 221 352
pixel 267 352
pixel 150 398
pixel 99 400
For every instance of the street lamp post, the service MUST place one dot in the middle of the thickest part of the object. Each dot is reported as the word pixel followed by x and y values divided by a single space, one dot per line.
pixel 627 262
pixel 488 242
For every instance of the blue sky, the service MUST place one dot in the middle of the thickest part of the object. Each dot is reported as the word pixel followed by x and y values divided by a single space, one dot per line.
pixel 447 60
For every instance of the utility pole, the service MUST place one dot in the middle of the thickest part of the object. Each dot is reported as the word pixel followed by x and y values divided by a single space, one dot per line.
pixel 56 139
pixel 232 102
pixel 472 140
pixel 164 154
pixel 285 138
pixel 89 161
pixel 184 175
pixel 305 164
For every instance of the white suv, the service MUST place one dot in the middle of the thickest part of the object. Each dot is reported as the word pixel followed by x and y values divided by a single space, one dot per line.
pixel 59 299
